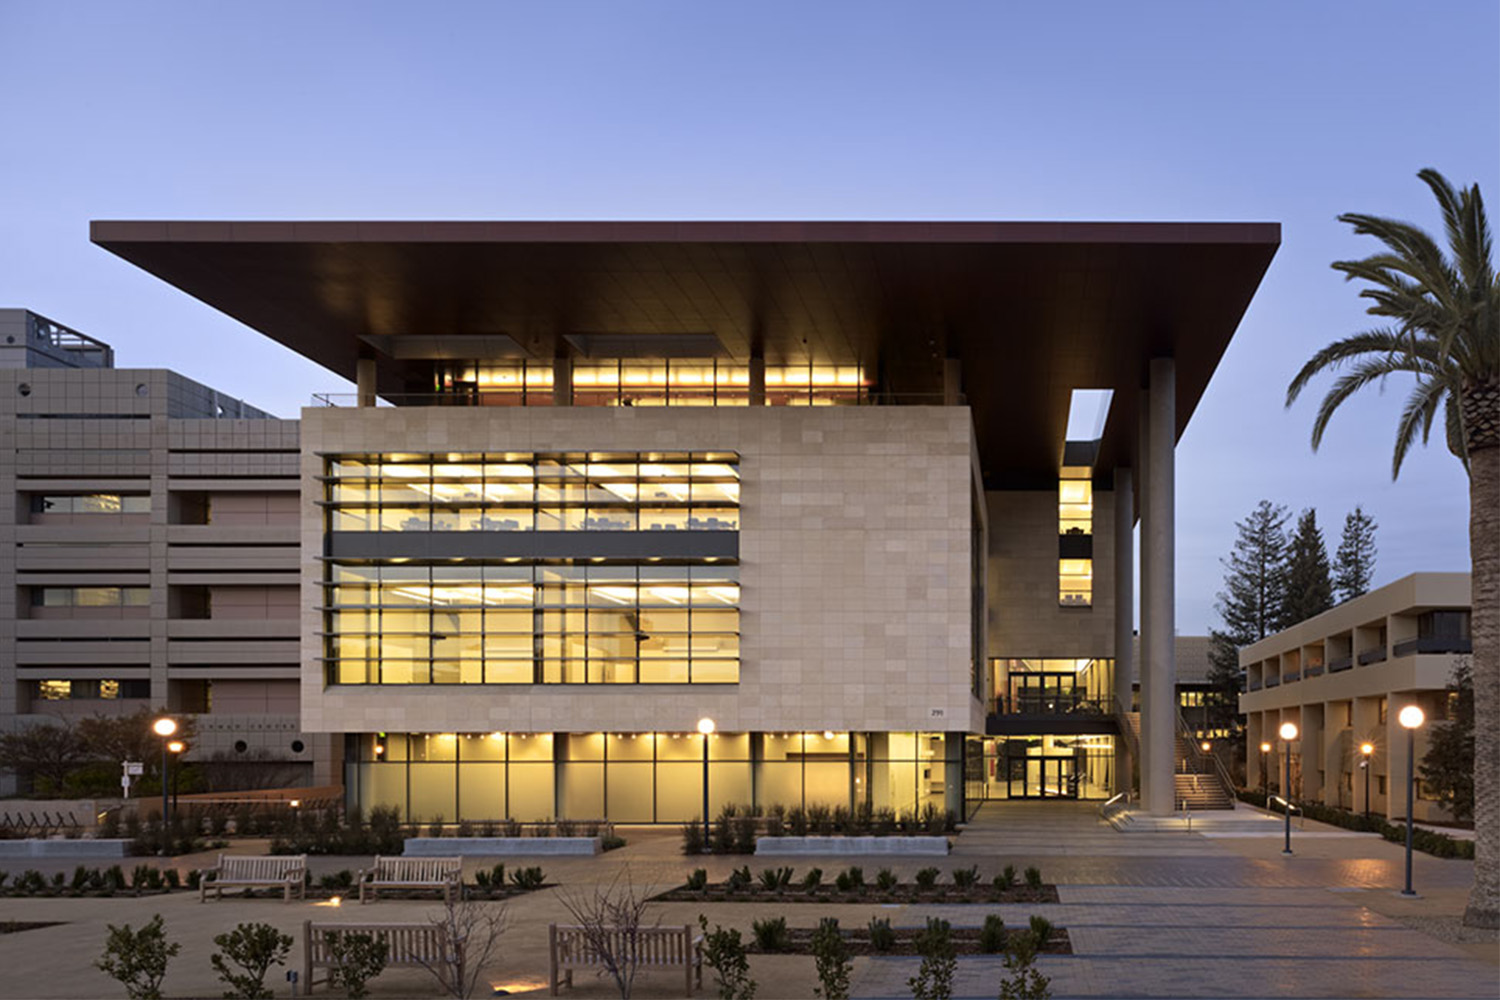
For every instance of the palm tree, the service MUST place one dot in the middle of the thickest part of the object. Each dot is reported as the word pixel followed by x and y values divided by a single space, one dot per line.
pixel 1443 316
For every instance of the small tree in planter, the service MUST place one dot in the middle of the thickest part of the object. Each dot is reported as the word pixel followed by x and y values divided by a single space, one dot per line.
pixel 138 959
pixel 357 959
pixel 831 953
pixel 934 978
pixel 251 949
pixel 724 953
pixel 611 919
pixel 471 931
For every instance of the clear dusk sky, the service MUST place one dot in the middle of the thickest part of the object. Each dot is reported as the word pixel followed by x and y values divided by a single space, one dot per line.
pixel 1263 111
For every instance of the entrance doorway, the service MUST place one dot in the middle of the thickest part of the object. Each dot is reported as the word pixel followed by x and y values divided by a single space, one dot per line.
pixel 1048 767
pixel 1042 778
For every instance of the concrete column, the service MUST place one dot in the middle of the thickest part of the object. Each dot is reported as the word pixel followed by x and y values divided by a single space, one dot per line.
pixel 1142 675
pixel 1367 727
pixel 952 382
pixel 1159 714
pixel 1124 674
pixel 757 381
pixel 1313 761
pixel 953 774
pixel 364 381
pixel 562 381
pixel 1255 735
pixel 1334 757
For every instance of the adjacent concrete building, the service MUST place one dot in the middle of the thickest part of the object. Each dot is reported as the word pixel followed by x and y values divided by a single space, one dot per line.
pixel 1343 678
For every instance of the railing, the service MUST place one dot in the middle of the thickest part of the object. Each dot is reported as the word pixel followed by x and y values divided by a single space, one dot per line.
pixel 1114 805
pixel 1252 686
pixel 1370 656
pixel 1286 804
pixel 1340 663
pixel 1216 768
pixel 1434 644
pixel 824 395
pixel 1316 670
pixel 1273 682
pixel 1042 705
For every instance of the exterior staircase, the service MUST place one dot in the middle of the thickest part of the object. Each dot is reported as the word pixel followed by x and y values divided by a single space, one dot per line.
pixel 1198 778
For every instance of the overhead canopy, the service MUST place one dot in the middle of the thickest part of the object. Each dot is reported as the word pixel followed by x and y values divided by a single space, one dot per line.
pixel 1032 310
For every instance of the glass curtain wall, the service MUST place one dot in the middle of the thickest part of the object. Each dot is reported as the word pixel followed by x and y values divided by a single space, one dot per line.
pixel 646 777
pixel 1047 767
pixel 656 382
pixel 1051 686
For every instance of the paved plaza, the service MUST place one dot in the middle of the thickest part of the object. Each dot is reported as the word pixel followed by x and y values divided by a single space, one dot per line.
pixel 1151 914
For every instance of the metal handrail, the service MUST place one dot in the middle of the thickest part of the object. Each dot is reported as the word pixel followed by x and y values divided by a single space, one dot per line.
pixel 1116 803
pixel 1219 770
pixel 1293 807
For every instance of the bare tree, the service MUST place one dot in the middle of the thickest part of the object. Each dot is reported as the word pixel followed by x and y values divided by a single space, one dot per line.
pixel 611 919
pixel 471 932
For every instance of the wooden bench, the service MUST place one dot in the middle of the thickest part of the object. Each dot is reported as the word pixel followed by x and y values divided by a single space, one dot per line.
pixel 570 948
pixel 412 873
pixel 419 945
pixel 248 871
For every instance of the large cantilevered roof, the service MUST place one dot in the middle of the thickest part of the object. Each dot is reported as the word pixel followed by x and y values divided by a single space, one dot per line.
pixel 1032 310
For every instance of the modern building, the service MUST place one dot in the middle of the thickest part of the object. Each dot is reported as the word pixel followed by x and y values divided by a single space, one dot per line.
pixel 1343 677
pixel 150 539
pixel 859 493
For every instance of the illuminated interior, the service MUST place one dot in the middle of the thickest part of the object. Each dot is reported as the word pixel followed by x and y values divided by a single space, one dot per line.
pixel 1075 518
pixel 643 777
pixel 657 382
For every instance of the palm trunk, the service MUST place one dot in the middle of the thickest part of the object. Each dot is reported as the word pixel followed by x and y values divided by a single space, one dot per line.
pixel 1484 551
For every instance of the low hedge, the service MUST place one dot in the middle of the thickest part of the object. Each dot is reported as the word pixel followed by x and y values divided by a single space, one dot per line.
pixel 1439 845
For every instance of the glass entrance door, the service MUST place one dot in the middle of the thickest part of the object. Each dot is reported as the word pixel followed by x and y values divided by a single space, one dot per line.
pixel 1042 778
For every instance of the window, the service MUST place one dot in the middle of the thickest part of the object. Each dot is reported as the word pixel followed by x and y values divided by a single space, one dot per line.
pixel 633 491
pixel 90 503
pixel 54 690
pixel 90 597
pixel 659 382
pixel 86 690
pixel 1075 525
pixel 1190 699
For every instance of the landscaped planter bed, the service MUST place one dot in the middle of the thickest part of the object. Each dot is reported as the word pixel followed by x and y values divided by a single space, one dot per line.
pixel 58 848
pixel 791 847
pixel 965 942
pixel 829 892
pixel 501 847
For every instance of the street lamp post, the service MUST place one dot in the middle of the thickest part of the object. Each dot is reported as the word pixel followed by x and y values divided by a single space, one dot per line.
pixel 176 747
pixel 1411 719
pixel 1265 753
pixel 1288 733
pixel 165 728
pixel 1366 749
pixel 705 729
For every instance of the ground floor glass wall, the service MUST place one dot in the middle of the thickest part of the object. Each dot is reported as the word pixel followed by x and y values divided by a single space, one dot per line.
pixel 647 777
pixel 1048 767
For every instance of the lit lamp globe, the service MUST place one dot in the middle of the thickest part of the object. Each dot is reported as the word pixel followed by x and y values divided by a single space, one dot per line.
pixel 1367 748
pixel 177 746
pixel 706 726
pixel 1288 731
pixel 1207 746
pixel 1411 717
pixel 164 727
pixel 1265 748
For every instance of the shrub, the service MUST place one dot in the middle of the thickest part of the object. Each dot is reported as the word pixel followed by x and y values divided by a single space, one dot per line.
pixel 812 879
pixel 724 953
pixel 721 840
pixel 1006 879
pixel 775 879
pixel 527 879
pixel 771 934
pixel 1041 929
pixel 137 960
pixel 883 822
pixel 992 935
pixel 80 879
pixel 820 819
pixel 114 878
pixel 342 879
pixel 692 838
pixel 851 879
pixel 488 879
pixel 194 878
pixel 252 949
pixel 565 828
pixel 745 828
pixel 356 959
pixel 698 881
pixel 1033 877
pixel 510 828
pixel 1024 982
pixel 796 821
pixel 934 978
pixel 885 880
pixel 882 938
pixel 611 842
pixel 927 878
pixel 966 877
pixel 173 880
pixel 739 879
pixel 831 954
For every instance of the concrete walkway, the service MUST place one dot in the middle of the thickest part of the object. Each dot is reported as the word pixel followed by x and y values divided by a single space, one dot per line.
pixel 1155 914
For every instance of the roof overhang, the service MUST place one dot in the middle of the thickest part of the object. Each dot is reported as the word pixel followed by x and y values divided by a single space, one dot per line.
pixel 1032 310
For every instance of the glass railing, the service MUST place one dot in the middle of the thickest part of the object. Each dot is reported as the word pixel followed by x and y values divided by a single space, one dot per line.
pixel 1050 704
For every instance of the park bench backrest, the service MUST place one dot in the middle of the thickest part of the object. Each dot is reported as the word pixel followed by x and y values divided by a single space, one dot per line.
pixel 407 944
pixel 417 869
pixel 652 946
pixel 250 868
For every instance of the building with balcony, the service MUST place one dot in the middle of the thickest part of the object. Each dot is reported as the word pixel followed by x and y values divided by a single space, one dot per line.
pixel 860 493
pixel 1343 678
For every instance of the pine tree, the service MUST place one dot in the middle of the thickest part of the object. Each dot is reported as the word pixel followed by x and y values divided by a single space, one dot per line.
pixel 1448 767
pixel 1254 593
pixel 1224 682
pixel 1309 585
pixel 1355 564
